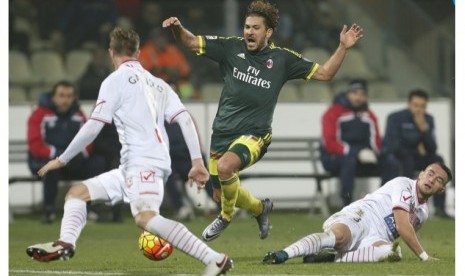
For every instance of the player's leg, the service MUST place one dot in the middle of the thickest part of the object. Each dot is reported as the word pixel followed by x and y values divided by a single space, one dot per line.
pixel 223 167
pixel 145 207
pixel 378 252
pixel 251 149
pixel 242 153
pixel 214 229
pixel 74 219
pixel 338 236
pixel 341 231
pixel 310 244
pixel 369 248
pixel 74 216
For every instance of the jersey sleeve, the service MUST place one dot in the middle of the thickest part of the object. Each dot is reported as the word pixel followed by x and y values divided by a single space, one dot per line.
pixel 174 105
pixel 213 47
pixel 107 102
pixel 401 193
pixel 299 67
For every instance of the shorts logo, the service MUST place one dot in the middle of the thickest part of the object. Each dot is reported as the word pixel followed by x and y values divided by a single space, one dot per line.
pixel 147 176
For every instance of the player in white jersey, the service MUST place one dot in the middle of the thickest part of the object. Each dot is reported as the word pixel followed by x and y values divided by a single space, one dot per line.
pixel 138 103
pixel 365 231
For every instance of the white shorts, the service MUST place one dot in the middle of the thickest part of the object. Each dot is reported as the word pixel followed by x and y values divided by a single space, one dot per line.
pixel 141 188
pixel 363 230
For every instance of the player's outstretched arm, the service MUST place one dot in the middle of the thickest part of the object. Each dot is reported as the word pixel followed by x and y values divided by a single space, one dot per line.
pixel 198 172
pixel 182 34
pixel 84 137
pixel 407 233
pixel 347 39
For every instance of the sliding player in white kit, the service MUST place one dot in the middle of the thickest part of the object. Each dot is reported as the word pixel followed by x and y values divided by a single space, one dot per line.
pixel 138 103
pixel 365 230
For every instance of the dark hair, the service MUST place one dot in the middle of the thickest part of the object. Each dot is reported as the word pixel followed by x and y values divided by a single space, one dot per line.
pixel 418 93
pixel 124 42
pixel 446 169
pixel 64 83
pixel 266 10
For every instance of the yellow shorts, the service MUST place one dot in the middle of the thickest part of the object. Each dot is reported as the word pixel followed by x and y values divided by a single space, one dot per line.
pixel 248 148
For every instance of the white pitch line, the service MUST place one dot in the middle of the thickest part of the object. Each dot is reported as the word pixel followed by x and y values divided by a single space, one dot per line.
pixel 68 272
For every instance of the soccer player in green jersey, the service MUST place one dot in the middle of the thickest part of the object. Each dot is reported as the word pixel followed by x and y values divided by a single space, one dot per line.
pixel 254 70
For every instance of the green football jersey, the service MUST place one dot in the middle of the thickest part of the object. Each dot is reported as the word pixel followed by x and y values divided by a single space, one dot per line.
pixel 252 82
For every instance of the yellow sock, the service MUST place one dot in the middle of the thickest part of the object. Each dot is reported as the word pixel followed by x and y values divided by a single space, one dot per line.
pixel 248 202
pixel 229 191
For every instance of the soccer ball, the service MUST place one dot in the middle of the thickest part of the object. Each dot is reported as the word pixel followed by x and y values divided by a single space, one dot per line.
pixel 154 247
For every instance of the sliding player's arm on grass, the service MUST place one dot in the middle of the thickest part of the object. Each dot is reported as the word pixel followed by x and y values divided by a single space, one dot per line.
pixel 408 234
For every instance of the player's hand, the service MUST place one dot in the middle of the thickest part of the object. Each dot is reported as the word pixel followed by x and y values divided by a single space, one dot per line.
pixel 349 37
pixel 217 195
pixel 198 174
pixel 50 166
pixel 172 21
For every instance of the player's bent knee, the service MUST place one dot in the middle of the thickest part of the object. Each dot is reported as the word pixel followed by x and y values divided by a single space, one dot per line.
pixel 228 164
pixel 78 191
pixel 142 218
pixel 342 235
pixel 224 169
pixel 380 243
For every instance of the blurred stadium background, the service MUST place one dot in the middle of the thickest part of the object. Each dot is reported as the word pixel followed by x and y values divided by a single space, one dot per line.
pixel 407 44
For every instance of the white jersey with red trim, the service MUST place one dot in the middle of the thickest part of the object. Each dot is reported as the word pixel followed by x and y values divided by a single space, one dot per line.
pixel 377 207
pixel 139 103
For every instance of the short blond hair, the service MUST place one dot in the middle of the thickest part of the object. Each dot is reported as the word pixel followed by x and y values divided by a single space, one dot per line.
pixel 124 42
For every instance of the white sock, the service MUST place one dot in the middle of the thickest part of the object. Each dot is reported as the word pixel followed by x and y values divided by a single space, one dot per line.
pixel 74 219
pixel 180 237
pixel 311 244
pixel 365 254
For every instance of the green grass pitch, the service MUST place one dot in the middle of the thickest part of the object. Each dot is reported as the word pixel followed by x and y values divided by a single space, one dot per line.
pixel 111 249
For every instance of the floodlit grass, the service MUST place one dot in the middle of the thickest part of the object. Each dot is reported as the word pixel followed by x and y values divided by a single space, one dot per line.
pixel 111 249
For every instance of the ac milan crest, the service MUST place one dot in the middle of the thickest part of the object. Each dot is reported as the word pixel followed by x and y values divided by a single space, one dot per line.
pixel 269 63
